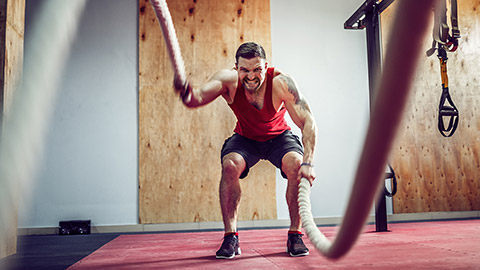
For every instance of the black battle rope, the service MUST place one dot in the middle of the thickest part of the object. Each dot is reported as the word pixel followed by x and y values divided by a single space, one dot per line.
pixel 443 42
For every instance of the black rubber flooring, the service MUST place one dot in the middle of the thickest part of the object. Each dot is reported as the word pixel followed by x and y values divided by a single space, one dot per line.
pixel 53 251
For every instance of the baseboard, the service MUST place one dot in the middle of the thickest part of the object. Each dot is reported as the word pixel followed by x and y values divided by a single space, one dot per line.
pixel 433 216
pixel 249 224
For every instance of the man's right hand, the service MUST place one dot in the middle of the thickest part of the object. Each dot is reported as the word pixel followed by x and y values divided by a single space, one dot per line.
pixel 179 84
pixel 183 88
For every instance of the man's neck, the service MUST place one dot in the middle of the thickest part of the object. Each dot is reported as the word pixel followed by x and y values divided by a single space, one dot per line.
pixel 258 91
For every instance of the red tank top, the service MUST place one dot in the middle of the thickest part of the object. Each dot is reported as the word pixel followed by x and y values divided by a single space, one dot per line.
pixel 260 125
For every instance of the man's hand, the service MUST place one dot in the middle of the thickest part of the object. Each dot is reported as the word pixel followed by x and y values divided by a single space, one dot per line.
pixel 307 172
pixel 183 88
pixel 179 84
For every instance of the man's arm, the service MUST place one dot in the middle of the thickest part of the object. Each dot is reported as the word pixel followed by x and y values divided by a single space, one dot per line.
pixel 221 83
pixel 299 110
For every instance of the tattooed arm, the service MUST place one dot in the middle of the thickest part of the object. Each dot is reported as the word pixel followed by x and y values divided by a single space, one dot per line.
pixel 297 106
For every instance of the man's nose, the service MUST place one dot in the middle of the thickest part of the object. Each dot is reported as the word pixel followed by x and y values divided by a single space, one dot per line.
pixel 251 75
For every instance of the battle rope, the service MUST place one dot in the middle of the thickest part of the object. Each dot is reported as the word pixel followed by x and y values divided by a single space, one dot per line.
pixel 26 122
pixel 393 88
pixel 166 23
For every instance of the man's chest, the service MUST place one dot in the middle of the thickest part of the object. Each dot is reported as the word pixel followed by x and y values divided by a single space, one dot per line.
pixel 256 100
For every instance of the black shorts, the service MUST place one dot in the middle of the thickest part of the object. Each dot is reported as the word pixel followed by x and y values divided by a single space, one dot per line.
pixel 272 150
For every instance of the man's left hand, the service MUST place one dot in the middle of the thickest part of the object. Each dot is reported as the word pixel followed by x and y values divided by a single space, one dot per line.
pixel 307 172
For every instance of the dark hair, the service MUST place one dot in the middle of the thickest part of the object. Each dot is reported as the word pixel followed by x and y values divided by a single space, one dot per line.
pixel 249 50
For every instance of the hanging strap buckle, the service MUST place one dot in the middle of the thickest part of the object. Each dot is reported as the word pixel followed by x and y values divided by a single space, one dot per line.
pixel 441 30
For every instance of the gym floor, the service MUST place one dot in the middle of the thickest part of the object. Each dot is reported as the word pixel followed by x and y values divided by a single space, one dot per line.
pixel 451 244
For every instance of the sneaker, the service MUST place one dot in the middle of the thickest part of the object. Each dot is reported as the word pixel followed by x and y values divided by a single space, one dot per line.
pixel 295 245
pixel 230 247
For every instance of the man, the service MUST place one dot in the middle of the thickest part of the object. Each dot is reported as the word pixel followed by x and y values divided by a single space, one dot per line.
pixel 259 96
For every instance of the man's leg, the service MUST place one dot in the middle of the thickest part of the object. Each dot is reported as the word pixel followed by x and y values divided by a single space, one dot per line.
pixel 233 165
pixel 290 166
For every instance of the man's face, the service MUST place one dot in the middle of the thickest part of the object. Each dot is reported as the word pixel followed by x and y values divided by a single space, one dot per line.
pixel 251 72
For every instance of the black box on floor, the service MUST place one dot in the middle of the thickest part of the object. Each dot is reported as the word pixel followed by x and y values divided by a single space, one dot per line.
pixel 74 227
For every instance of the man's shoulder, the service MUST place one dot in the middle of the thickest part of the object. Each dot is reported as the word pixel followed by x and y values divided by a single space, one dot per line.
pixel 229 80
pixel 279 73
pixel 279 77
pixel 282 84
pixel 226 75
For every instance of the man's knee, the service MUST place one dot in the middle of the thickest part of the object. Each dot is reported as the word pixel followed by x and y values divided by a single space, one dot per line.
pixel 291 164
pixel 233 165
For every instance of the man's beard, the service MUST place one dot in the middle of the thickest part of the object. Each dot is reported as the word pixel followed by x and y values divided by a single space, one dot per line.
pixel 251 85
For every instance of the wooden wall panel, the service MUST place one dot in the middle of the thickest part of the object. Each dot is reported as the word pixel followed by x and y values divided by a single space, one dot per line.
pixel 12 50
pixel 437 173
pixel 179 148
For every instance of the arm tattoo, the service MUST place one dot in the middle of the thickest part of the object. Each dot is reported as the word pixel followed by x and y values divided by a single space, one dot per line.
pixel 292 88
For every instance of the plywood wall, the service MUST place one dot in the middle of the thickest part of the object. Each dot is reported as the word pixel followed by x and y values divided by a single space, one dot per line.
pixel 12 50
pixel 437 173
pixel 179 148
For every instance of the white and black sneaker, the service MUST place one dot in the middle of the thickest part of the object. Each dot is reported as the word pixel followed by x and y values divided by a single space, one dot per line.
pixel 295 245
pixel 230 247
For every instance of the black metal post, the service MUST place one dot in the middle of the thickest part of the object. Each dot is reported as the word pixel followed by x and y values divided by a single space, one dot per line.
pixel 373 51
pixel 374 66
pixel 368 16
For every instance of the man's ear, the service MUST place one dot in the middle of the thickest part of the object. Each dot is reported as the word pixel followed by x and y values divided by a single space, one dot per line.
pixel 266 64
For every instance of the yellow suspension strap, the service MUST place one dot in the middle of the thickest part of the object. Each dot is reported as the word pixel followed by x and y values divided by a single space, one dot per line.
pixel 445 39
pixel 446 107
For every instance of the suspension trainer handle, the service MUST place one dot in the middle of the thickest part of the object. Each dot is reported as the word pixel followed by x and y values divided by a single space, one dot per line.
pixel 446 107
pixel 450 111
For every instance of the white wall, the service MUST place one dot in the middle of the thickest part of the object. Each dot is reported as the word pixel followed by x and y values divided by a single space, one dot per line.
pixel 330 67
pixel 90 166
